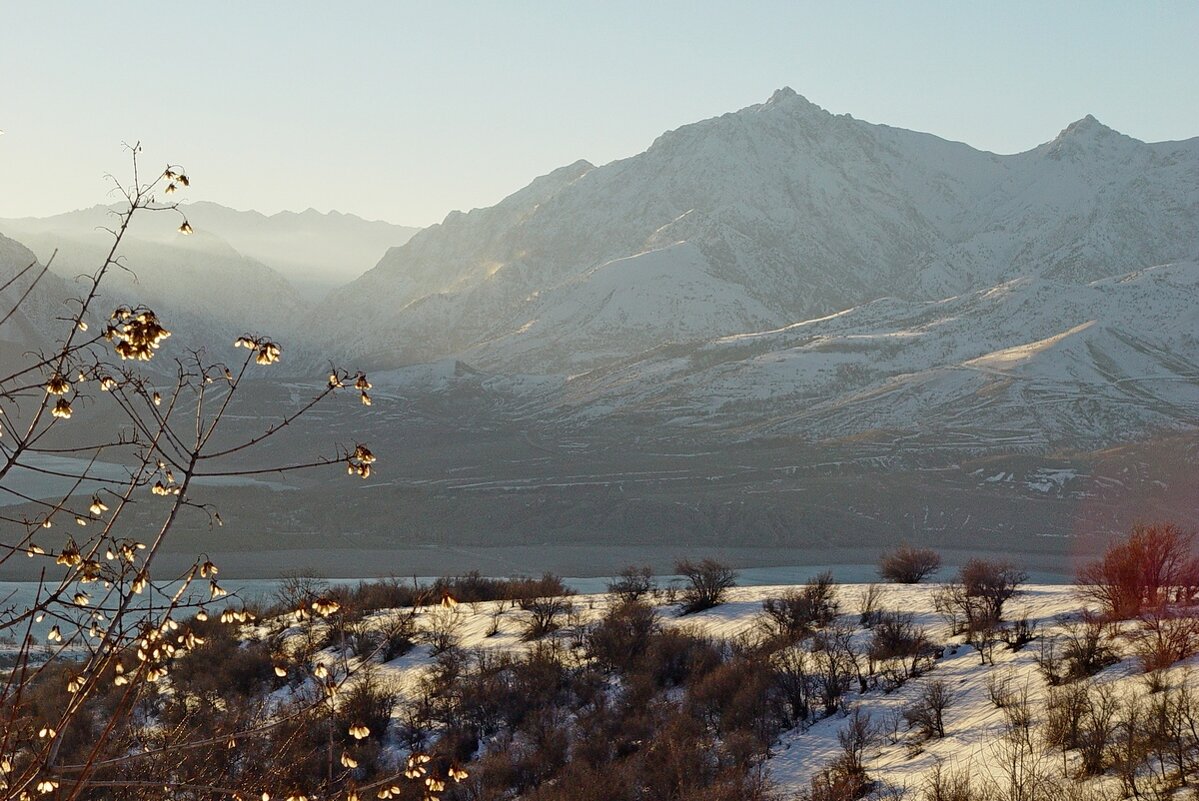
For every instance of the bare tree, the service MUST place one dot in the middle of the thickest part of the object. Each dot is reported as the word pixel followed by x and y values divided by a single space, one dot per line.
pixel 708 582
pixel 633 583
pixel 927 713
pixel 992 583
pixel 973 603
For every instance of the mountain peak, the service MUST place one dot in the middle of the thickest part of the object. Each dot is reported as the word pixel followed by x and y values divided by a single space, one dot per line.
pixel 1087 126
pixel 788 97
pixel 1085 135
pixel 782 95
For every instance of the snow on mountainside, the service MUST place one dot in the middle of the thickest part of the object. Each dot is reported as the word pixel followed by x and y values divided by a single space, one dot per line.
pixel 1029 363
pixel 952 296
pixel 776 213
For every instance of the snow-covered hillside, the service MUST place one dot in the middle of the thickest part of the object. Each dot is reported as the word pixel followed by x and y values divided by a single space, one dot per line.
pixel 1035 361
pixel 898 757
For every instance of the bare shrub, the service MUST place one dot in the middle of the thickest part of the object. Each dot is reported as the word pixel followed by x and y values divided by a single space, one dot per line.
pixel 1132 744
pixel 942 784
pixel 622 637
pixel 678 654
pixel 897 637
pixel 544 610
pixel 870 601
pixel 1087 647
pixel 1020 633
pixel 441 629
pixel 927 714
pixel 521 589
pixel 831 676
pixel 388 593
pixel 908 564
pixel 1163 638
pixel 493 619
pixel 792 669
pixel 297 589
pixel 1023 771
pixel 1098 731
pixel 999 688
pixel 984 635
pixel 708 582
pixel 833 784
pixel 1083 716
pixel 1083 648
pixel 369 700
pixel 841 640
pixel 1154 566
pixel 858 735
pixel 1181 729
pixel 801 611
pixel 390 636
pixel 633 583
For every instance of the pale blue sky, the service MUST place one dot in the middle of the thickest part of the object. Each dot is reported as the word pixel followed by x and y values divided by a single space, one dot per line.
pixel 404 111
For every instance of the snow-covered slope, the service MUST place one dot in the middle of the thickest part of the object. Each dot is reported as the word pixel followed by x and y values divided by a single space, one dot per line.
pixel 776 213
pixel 1028 363
pixel 896 756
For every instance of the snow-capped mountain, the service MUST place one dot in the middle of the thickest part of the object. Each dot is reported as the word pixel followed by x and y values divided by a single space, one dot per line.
pixel 964 298
pixel 776 213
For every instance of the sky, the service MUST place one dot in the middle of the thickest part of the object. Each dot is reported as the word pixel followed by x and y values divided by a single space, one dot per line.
pixel 405 111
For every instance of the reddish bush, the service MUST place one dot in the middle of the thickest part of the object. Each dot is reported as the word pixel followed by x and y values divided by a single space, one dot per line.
pixel 909 565
pixel 1155 566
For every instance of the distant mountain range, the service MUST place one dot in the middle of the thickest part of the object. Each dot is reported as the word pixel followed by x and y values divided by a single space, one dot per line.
pixel 765 308
pixel 240 271
pixel 314 252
